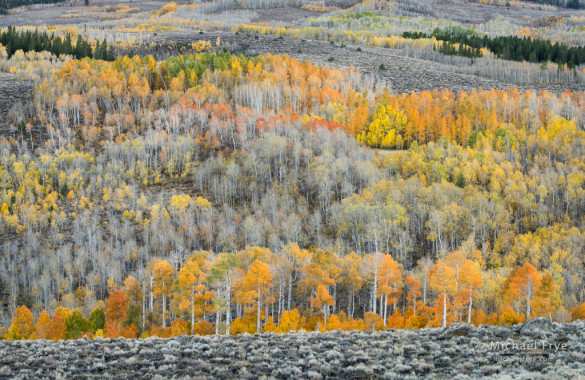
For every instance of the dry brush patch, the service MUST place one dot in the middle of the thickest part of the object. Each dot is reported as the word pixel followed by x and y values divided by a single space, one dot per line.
pixel 533 350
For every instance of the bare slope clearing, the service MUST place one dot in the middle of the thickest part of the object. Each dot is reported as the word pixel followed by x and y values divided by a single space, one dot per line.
pixel 464 11
pixel 402 74
pixel 12 90
pixel 77 14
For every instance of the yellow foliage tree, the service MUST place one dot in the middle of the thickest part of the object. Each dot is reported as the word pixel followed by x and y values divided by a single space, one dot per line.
pixel 255 289
pixel 162 273
pixel 386 129
pixel 22 326
pixel 442 280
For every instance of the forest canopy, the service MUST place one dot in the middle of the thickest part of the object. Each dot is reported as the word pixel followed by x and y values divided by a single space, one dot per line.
pixel 150 174
pixel 178 169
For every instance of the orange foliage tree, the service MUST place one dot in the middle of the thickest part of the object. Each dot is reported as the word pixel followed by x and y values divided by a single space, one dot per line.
pixel 43 325
pixel 521 285
pixel 58 328
pixel 470 280
pixel 390 283
pixel 116 309
pixel 322 301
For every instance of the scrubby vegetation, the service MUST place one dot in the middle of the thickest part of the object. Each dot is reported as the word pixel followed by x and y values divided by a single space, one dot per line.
pixel 429 353
pixel 5 5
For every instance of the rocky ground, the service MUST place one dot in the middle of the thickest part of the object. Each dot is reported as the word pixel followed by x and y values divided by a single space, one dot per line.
pixel 537 349
pixel 12 90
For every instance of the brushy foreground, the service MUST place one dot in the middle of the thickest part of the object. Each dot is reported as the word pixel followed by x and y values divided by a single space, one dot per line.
pixel 537 349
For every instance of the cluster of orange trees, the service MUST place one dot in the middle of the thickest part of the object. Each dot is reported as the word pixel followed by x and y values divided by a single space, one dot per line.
pixel 121 177
pixel 300 290
pixel 103 101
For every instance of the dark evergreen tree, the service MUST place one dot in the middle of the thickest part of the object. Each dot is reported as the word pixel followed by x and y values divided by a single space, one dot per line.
pixel 27 41
pixel 504 47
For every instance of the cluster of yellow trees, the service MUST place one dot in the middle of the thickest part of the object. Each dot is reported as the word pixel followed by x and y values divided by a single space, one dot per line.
pixel 360 37
pixel 255 290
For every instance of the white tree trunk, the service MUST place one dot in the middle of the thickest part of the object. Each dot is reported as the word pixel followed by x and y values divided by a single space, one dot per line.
pixel 143 308
pixel 217 321
pixel 228 317
pixel 470 303
pixel 258 323
pixel 289 291
pixel 192 309
pixel 414 304
pixel 425 288
pixel 163 310
pixel 151 305
pixel 385 297
pixel 445 310
pixel 528 302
